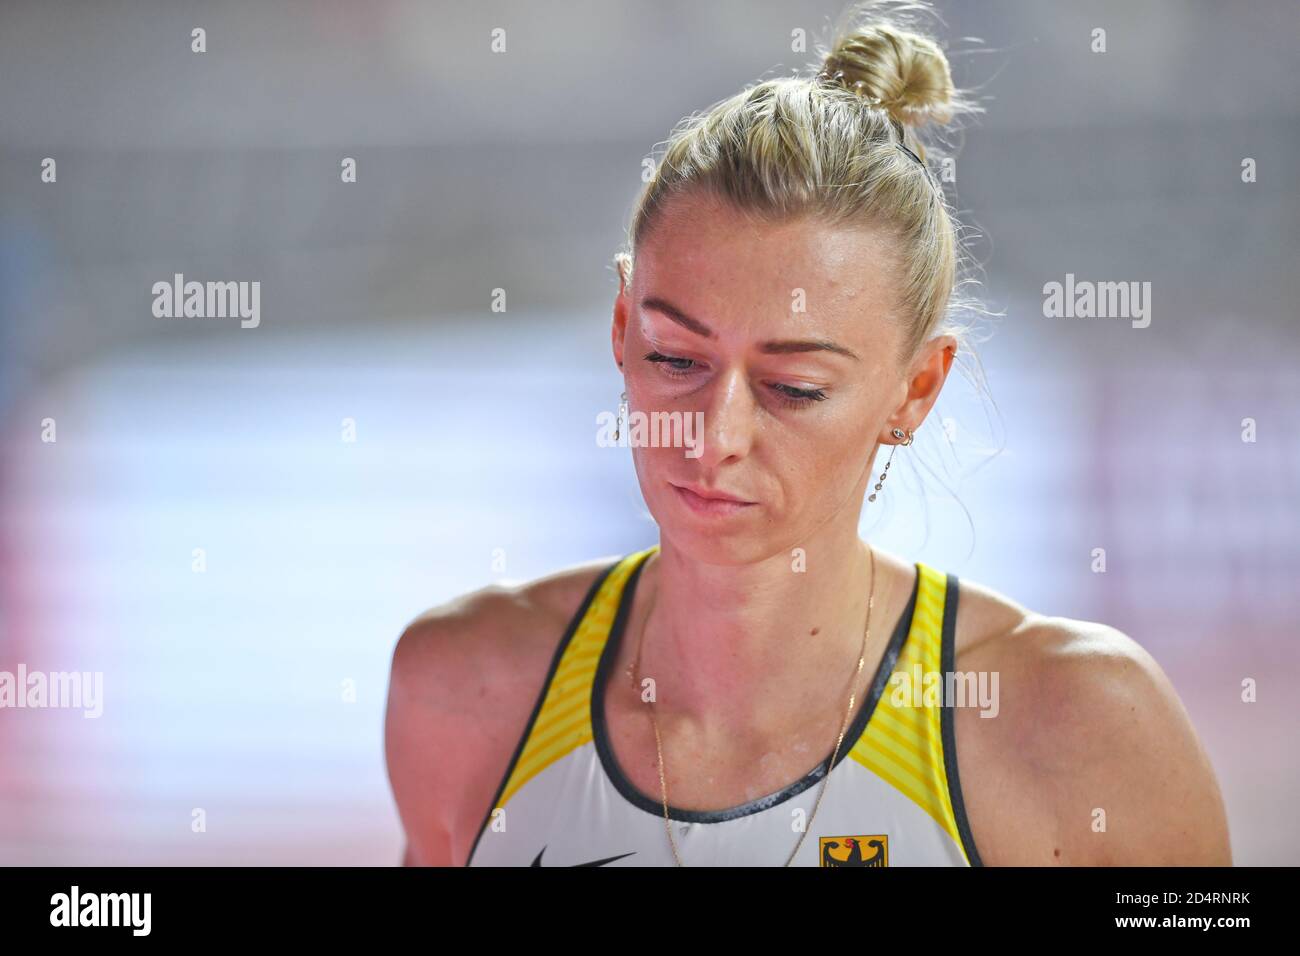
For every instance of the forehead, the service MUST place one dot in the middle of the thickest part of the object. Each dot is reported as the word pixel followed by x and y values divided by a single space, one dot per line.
pixel 719 260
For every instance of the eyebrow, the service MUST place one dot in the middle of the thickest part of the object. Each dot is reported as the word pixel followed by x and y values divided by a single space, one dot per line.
pixel 771 347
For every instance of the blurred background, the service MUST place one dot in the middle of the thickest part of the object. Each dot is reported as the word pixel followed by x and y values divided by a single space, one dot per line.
pixel 234 524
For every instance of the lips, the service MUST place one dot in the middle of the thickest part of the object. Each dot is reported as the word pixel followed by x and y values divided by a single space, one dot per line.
pixel 711 502
pixel 714 495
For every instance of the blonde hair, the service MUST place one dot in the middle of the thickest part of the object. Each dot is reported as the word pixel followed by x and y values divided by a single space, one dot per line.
pixel 827 145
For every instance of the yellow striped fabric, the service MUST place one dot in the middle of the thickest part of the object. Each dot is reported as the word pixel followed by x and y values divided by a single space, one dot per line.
pixel 564 722
pixel 903 741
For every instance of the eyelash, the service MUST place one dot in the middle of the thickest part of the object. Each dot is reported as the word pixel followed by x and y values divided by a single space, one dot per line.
pixel 788 395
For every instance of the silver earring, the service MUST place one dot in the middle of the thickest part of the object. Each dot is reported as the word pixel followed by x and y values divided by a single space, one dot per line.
pixel 900 435
pixel 622 416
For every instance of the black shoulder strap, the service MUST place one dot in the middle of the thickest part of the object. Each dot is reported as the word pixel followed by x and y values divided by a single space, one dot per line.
pixel 947 656
pixel 576 620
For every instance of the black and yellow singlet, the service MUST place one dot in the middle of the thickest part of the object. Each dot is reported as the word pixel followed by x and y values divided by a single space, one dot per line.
pixel 893 798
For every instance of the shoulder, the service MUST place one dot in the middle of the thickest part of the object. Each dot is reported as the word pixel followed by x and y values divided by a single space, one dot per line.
pixel 471 630
pixel 464 678
pixel 1088 756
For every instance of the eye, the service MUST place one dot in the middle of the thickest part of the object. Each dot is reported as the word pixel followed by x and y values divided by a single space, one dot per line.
pixel 792 397
pixel 669 363
pixel 789 396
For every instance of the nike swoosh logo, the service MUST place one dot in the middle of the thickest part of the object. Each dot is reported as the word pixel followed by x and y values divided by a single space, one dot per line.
pixel 608 859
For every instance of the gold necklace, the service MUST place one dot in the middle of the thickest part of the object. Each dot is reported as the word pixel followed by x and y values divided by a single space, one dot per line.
pixel 663 786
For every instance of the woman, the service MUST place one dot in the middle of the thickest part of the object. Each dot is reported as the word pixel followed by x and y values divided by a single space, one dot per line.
pixel 795 263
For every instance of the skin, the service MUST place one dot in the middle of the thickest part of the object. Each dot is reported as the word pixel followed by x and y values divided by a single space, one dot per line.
pixel 740 646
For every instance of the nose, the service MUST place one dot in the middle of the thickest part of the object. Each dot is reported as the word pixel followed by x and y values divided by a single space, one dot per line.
pixel 728 430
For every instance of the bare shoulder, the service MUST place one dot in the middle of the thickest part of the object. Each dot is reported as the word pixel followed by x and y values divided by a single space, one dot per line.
pixel 464 678
pixel 1087 756
pixel 498 618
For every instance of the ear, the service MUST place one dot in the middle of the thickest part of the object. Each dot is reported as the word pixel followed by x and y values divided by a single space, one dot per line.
pixel 622 306
pixel 927 374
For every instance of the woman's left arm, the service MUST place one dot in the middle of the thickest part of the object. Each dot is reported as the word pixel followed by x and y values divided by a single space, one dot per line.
pixel 1133 784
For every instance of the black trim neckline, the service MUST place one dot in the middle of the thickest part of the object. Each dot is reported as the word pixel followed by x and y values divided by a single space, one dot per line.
pixel 947 656
pixel 614 772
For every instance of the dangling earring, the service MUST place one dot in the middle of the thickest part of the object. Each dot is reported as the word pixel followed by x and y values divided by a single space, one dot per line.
pixel 899 434
pixel 622 416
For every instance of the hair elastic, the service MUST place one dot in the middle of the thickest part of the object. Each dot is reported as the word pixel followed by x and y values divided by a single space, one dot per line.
pixel 910 153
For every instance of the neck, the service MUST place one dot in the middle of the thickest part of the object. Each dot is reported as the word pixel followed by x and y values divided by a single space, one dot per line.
pixel 744 651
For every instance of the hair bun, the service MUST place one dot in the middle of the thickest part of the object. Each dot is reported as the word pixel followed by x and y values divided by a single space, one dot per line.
pixel 899 70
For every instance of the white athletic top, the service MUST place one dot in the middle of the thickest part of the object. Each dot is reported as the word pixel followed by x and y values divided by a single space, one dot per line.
pixel 893 798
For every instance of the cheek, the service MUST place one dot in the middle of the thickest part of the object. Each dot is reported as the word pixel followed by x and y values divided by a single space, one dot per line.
pixel 659 463
pixel 818 474
pixel 820 462
pixel 826 436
